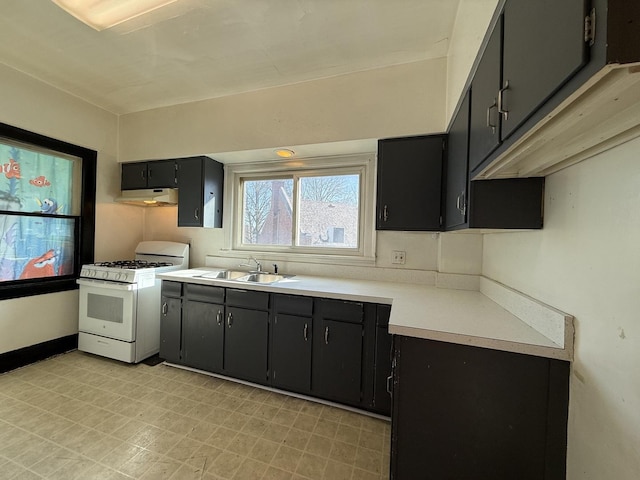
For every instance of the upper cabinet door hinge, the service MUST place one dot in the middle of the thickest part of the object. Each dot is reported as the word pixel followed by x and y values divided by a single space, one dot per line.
pixel 590 28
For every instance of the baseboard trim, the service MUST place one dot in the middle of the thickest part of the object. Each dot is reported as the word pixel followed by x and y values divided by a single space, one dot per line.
pixel 34 353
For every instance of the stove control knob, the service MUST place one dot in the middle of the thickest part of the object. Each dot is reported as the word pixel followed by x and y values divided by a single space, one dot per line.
pixel 105 274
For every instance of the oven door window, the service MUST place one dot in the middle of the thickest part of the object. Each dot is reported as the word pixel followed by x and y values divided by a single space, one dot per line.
pixel 108 312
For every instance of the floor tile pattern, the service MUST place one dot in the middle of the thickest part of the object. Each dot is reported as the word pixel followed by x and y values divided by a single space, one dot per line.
pixel 78 416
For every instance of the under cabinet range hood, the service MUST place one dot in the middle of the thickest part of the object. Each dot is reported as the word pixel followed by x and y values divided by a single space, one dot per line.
pixel 149 197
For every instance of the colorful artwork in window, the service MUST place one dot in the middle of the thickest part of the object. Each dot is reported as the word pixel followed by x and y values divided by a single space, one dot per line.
pixel 42 184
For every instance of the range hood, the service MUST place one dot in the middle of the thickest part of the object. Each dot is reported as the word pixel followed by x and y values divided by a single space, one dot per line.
pixel 149 197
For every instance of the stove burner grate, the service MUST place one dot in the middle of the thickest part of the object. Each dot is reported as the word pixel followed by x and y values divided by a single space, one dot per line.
pixel 133 264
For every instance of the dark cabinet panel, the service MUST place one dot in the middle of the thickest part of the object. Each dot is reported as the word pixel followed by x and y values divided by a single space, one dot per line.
pixel 134 176
pixel 383 356
pixel 472 413
pixel 291 352
pixel 457 175
pixel 171 329
pixel 246 341
pixel 162 174
pixel 484 129
pixel 200 184
pixel 203 335
pixel 409 183
pixel 338 371
pixel 543 47
pixel 154 174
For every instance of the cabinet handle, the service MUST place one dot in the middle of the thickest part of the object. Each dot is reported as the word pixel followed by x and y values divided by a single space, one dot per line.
pixel 219 317
pixel 489 124
pixel 196 213
pixel 142 175
pixel 385 214
pixel 306 332
pixel 165 308
pixel 326 335
pixel 229 319
pixel 505 113
pixel 389 384
pixel 462 204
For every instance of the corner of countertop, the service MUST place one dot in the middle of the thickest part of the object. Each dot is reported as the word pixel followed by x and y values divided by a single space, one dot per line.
pixel 554 324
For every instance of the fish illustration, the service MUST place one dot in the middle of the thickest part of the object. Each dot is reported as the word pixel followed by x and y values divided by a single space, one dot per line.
pixel 40 181
pixel 49 205
pixel 39 267
pixel 11 169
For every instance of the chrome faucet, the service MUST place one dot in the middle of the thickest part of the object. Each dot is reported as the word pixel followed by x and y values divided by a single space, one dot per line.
pixel 258 264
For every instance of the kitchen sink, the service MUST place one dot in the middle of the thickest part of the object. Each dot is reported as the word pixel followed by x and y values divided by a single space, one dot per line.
pixel 249 277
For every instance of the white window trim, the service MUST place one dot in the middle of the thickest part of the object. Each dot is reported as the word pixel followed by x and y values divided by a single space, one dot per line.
pixel 232 218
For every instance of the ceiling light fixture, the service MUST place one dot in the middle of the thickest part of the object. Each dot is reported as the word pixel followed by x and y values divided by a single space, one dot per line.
pixel 102 14
pixel 285 153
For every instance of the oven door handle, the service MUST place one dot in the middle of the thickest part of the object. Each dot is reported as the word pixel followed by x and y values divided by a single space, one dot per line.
pixel 106 284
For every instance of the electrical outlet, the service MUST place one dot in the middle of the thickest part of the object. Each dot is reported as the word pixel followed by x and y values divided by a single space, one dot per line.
pixel 398 256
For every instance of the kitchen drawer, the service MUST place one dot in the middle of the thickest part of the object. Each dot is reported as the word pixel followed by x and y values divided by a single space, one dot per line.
pixel 248 299
pixel 204 293
pixel 341 310
pixel 293 305
pixel 171 289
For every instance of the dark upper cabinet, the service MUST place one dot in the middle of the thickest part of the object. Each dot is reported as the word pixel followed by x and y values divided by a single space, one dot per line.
pixel 457 175
pixel 154 174
pixel 513 203
pixel 533 49
pixel 200 188
pixel 484 123
pixel 473 413
pixel 543 46
pixel 409 183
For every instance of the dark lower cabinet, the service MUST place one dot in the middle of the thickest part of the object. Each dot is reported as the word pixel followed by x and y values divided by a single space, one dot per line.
pixel 170 327
pixel 203 335
pixel 245 344
pixel 383 356
pixel 468 413
pixel 291 340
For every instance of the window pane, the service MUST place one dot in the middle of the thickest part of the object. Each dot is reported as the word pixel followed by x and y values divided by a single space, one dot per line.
pixel 267 212
pixel 328 211
pixel 35 247
pixel 36 181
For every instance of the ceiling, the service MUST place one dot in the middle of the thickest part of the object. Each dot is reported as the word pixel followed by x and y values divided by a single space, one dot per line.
pixel 198 49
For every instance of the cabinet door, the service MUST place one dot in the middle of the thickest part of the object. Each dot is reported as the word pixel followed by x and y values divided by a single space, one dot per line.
pixel 543 47
pixel 161 174
pixel 474 413
pixel 170 329
pixel 484 124
pixel 409 183
pixel 245 344
pixel 340 367
pixel 383 355
pixel 457 168
pixel 134 176
pixel 190 192
pixel 203 335
pixel 291 352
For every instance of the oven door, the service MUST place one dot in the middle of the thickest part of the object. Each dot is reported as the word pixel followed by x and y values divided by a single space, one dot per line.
pixel 108 309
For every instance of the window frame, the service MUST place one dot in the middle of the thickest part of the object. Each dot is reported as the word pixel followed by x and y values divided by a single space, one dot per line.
pixel 84 235
pixel 362 164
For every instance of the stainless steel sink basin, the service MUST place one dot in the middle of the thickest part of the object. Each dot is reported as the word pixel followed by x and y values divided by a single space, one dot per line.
pixel 225 275
pixel 239 276
pixel 261 278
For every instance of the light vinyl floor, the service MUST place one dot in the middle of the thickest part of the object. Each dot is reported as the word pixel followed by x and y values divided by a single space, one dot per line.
pixel 78 416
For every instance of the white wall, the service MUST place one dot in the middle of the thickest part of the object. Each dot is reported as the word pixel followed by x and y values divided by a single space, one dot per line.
pixel 586 261
pixel 34 106
pixel 401 100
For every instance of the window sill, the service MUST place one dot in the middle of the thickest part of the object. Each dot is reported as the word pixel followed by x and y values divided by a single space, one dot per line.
pixel 298 257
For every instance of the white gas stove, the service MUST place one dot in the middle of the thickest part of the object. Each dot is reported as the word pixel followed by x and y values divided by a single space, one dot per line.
pixel 120 301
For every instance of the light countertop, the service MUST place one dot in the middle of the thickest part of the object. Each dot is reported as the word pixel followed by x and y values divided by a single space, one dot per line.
pixel 455 316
